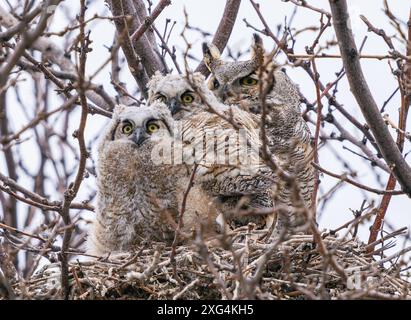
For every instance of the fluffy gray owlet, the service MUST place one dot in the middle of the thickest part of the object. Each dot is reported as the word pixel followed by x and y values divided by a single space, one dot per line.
pixel 139 197
pixel 287 133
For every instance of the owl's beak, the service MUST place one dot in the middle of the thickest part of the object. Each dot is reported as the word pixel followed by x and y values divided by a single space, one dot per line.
pixel 174 105
pixel 139 136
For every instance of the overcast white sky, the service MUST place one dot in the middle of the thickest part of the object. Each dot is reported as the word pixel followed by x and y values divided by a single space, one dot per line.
pixel 206 15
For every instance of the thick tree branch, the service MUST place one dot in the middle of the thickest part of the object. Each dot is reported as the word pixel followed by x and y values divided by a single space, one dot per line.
pixel 133 62
pixel 26 19
pixel 142 58
pixel 142 13
pixel 223 31
pixel 364 98
pixel 402 122
pixel 146 53
pixel 10 206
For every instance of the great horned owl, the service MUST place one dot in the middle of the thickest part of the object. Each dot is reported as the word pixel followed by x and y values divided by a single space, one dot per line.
pixel 189 100
pixel 139 199
pixel 184 95
pixel 287 133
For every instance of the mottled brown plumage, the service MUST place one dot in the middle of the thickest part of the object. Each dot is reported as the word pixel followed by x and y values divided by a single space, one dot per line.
pixel 233 190
pixel 287 132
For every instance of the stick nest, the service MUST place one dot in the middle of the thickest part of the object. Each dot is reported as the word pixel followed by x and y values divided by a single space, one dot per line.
pixel 246 269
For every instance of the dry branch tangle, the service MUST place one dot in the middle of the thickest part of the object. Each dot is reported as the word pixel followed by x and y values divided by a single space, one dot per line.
pixel 294 271
pixel 55 54
pixel 365 100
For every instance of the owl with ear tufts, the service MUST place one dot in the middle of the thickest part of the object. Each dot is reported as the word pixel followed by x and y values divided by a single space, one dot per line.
pixel 139 199
pixel 189 99
pixel 287 133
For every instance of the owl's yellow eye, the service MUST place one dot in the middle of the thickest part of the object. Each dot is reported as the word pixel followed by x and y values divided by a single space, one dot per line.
pixel 152 127
pixel 127 128
pixel 187 98
pixel 248 81
pixel 162 98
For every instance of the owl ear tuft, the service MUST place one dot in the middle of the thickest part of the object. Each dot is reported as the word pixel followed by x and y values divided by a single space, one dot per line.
pixel 257 50
pixel 211 55
pixel 257 38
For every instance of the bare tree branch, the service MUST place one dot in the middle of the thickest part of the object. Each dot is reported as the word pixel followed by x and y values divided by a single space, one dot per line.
pixel 365 100
pixel 139 49
pixel 148 21
pixel 135 67
pixel 405 104
pixel 223 31
pixel 55 54
pixel 73 189
pixel 29 37
pixel 142 14
pixel 343 177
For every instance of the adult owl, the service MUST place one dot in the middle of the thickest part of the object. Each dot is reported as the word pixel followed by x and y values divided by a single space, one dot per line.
pixel 287 133
pixel 188 99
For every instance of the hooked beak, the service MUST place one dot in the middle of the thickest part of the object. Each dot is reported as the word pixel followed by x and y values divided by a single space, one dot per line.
pixel 174 106
pixel 139 136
